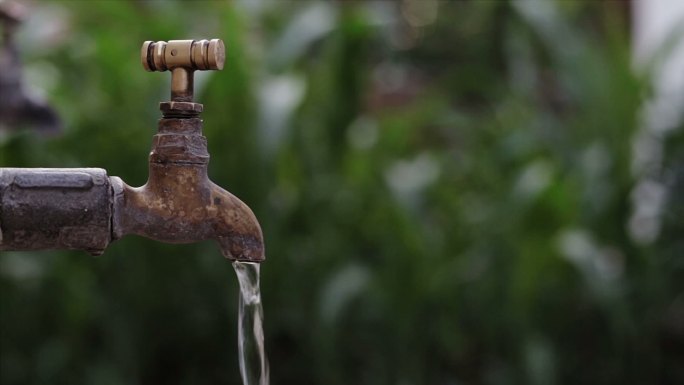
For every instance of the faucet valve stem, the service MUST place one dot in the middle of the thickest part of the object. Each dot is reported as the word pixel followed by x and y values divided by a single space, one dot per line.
pixel 182 58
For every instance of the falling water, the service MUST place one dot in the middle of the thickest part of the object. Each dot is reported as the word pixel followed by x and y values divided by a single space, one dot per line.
pixel 252 356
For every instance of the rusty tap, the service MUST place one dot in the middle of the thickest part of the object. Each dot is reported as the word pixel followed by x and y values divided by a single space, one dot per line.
pixel 178 204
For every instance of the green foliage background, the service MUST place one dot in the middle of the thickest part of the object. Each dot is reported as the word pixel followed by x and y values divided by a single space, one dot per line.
pixel 443 202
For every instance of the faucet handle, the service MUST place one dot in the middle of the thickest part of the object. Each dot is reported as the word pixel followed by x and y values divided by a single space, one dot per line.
pixel 191 54
pixel 182 58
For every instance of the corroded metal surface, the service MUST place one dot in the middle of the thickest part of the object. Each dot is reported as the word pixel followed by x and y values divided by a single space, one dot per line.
pixel 85 209
pixel 55 209
pixel 179 204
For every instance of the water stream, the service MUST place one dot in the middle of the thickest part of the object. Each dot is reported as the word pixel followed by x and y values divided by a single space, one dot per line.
pixel 252 356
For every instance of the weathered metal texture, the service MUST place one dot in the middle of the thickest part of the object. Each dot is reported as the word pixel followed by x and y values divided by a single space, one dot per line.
pixel 85 209
pixel 179 204
pixel 55 209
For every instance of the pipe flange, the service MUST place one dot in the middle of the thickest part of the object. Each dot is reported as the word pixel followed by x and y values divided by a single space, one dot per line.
pixel 180 109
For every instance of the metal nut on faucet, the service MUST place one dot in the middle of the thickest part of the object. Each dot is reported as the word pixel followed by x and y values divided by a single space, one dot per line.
pixel 191 54
pixel 180 109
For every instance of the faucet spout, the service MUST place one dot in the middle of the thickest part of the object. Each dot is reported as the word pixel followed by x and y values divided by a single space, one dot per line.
pixel 188 213
pixel 179 204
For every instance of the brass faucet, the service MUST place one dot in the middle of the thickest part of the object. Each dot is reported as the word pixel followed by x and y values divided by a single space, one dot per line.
pixel 85 209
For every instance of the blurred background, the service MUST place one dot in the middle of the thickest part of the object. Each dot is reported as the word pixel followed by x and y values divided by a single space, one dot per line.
pixel 465 192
